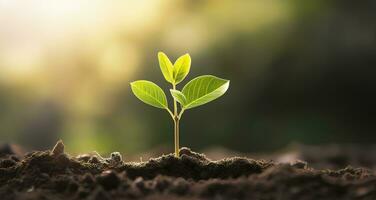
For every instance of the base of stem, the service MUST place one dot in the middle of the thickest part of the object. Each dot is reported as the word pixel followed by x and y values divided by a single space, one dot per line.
pixel 176 137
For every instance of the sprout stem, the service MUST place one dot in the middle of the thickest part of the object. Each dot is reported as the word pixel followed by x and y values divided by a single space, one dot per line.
pixel 176 135
pixel 176 119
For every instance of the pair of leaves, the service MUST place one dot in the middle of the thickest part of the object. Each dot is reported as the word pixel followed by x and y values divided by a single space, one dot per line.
pixel 198 91
pixel 174 73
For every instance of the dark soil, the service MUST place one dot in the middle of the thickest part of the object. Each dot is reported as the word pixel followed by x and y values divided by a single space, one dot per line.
pixel 56 175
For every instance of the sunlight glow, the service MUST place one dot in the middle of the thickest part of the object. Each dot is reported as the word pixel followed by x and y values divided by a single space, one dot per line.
pixel 32 30
pixel 80 55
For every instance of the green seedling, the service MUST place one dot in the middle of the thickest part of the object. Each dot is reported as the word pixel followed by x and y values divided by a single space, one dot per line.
pixel 196 92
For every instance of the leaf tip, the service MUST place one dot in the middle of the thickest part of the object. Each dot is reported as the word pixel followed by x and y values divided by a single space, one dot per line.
pixel 227 83
pixel 161 53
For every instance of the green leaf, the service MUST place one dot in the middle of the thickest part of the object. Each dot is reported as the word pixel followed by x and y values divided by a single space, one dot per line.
pixel 149 93
pixel 166 67
pixel 181 68
pixel 204 89
pixel 179 96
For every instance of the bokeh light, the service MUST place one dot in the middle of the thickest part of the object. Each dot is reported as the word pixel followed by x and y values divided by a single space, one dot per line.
pixel 65 68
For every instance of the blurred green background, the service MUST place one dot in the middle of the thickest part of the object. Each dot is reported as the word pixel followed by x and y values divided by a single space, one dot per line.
pixel 300 71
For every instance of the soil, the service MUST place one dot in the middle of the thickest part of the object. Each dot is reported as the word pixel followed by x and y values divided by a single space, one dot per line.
pixel 54 174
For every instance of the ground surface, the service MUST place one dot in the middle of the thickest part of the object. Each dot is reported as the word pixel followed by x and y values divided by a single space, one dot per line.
pixel 54 175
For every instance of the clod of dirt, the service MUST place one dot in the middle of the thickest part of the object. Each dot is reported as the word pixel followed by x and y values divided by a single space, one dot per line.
pixel 95 160
pixel 55 175
pixel 115 159
pixel 11 149
pixel 188 152
pixel 116 156
pixel 300 164
pixel 58 149
pixel 7 163
pixel 108 179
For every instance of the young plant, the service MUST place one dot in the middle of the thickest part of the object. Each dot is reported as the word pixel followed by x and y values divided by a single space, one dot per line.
pixel 196 92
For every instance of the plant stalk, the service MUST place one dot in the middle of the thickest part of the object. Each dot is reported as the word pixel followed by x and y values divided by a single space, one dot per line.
pixel 176 136
pixel 176 119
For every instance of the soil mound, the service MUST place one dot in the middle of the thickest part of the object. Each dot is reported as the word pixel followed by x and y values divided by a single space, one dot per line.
pixel 53 174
